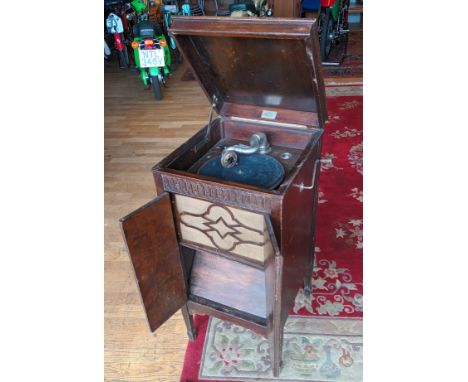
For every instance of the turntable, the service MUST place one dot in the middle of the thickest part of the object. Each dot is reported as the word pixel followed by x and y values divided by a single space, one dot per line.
pixel 231 232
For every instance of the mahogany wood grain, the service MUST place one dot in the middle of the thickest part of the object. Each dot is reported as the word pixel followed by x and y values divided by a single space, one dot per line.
pixel 229 283
pixel 297 231
pixel 188 154
pixel 188 319
pixel 316 74
pixel 187 255
pixel 203 306
pixel 138 133
pixel 246 64
pixel 233 60
pixel 282 28
pixel 273 286
pixel 206 188
pixel 230 256
pixel 152 245
pixel 283 115
pixel 278 135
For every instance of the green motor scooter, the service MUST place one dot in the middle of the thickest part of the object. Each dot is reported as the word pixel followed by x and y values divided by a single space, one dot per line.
pixel 152 55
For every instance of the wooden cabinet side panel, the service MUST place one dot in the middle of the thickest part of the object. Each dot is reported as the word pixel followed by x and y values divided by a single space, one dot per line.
pixel 297 231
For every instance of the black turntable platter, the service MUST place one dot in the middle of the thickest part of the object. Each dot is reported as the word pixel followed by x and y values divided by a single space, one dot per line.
pixel 258 170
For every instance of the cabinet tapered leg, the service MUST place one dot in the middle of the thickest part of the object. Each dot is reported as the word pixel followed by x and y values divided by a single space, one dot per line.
pixel 188 318
pixel 308 283
pixel 276 342
pixel 309 270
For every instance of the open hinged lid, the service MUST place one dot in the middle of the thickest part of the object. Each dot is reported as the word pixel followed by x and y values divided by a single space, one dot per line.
pixel 259 68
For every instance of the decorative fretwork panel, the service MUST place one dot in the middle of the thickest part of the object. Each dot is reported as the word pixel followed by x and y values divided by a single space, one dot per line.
pixel 223 228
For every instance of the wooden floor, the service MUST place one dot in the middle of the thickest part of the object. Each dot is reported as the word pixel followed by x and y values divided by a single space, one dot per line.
pixel 139 132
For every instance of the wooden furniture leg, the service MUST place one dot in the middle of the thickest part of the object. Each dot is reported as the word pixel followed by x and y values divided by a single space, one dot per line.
pixel 276 346
pixel 188 318
pixel 309 270
pixel 308 283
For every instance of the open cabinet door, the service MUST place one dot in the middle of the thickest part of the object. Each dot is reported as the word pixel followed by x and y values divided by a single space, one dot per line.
pixel 154 251
pixel 273 283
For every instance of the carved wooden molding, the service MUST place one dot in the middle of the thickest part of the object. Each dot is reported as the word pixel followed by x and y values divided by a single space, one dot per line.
pixel 220 194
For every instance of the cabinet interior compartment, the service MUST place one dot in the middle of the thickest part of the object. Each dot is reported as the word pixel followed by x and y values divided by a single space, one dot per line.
pixel 226 285
pixel 293 142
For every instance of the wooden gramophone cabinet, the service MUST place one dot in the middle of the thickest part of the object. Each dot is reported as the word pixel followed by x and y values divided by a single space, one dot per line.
pixel 223 248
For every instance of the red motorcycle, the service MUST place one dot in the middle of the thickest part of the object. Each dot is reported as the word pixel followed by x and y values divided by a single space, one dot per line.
pixel 115 27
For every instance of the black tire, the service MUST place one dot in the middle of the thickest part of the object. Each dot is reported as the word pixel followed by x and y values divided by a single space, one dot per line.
pixel 177 58
pixel 156 87
pixel 131 57
pixel 123 58
pixel 174 60
pixel 326 30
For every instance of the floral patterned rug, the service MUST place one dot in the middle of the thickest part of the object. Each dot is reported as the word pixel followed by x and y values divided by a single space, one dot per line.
pixel 323 335
pixel 337 278
pixel 314 349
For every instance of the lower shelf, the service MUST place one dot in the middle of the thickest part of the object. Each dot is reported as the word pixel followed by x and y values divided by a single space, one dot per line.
pixel 226 312
pixel 229 284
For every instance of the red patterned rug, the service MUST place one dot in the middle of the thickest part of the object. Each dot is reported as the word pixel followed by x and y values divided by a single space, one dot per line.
pixel 337 279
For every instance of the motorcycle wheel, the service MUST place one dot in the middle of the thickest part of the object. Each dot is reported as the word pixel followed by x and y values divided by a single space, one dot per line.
pixel 156 87
pixel 123 58
pixel 327 30
pixel 148 82
pixel 177 59
pixel 131 57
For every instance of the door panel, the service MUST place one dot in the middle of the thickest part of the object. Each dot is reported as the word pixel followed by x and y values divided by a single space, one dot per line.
pixel 273 285
pixel 273 271
pixel 152 244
